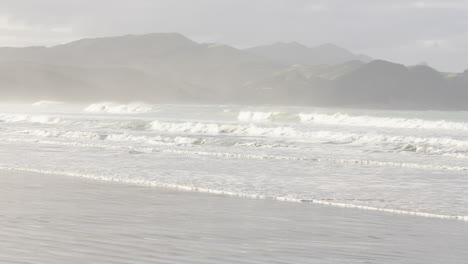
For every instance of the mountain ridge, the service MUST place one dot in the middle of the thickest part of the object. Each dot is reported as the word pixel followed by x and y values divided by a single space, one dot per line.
pixel 171 68
pixel 297 53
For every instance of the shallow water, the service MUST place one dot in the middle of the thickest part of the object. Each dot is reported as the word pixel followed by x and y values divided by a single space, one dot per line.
pixel 58 219
pixel 408 162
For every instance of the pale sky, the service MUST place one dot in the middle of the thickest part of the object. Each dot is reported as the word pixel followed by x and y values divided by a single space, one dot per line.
pixel 403 31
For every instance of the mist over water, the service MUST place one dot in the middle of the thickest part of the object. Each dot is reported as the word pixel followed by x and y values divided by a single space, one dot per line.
pixel 407 162
pixel 171 68
pixel 209 131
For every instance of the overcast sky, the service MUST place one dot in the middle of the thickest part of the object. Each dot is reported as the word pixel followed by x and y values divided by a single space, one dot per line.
pixel 409 32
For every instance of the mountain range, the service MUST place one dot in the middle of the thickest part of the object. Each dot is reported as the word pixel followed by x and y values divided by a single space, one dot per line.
pixel 170 68
pixel 296 53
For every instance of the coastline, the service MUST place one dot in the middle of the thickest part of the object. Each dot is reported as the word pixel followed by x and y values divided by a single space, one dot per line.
pixel 56 219
pixel 191 189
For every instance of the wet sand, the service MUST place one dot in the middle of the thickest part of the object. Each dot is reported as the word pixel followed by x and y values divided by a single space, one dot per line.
pixel 60 219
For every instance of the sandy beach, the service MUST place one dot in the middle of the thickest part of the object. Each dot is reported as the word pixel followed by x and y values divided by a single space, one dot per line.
pixel 60 219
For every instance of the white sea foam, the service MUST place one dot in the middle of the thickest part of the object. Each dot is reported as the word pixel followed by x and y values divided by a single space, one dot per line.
pixel 318 159
pixel 383 122
pixel 319 149
pixel 428 145
pixel 182 187
pixel 343 119
pixel 163 142
pixel 248 116
pixel 129 139
pixel 45 103
pixel 42 119
pixel 446 146
pixel 222 128
pixel 113 108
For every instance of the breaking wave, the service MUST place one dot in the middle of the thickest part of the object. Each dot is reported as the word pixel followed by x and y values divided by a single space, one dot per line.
pixel 381 122
pixel 112 108
pixel 395 143
pixel 309 144
pixel 45 103
pixel 247 116
pixel 41 119
pixel 446 146
pixel 342 119
pixel 156 140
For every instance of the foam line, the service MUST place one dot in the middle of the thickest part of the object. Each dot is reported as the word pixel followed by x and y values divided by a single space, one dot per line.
pixel 148 183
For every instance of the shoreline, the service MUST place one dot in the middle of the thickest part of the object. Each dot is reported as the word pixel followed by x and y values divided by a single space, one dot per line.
pixel 181 188
pixel 56 219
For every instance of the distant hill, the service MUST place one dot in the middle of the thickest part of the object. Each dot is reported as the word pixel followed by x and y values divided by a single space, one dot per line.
pixel 170 68
pixel 296 53
pixel 202 72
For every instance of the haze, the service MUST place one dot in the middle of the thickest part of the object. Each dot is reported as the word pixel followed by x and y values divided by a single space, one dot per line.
pixel 407 32
pixel 234 131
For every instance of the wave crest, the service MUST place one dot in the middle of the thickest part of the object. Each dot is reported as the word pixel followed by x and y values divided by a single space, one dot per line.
pixel 41 119
pixel 381 122
pixel 112 108
pixel 46 103
pixel 248 116
pixel 343 119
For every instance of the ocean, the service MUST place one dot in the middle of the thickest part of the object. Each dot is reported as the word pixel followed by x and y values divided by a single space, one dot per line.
pixel 400 162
